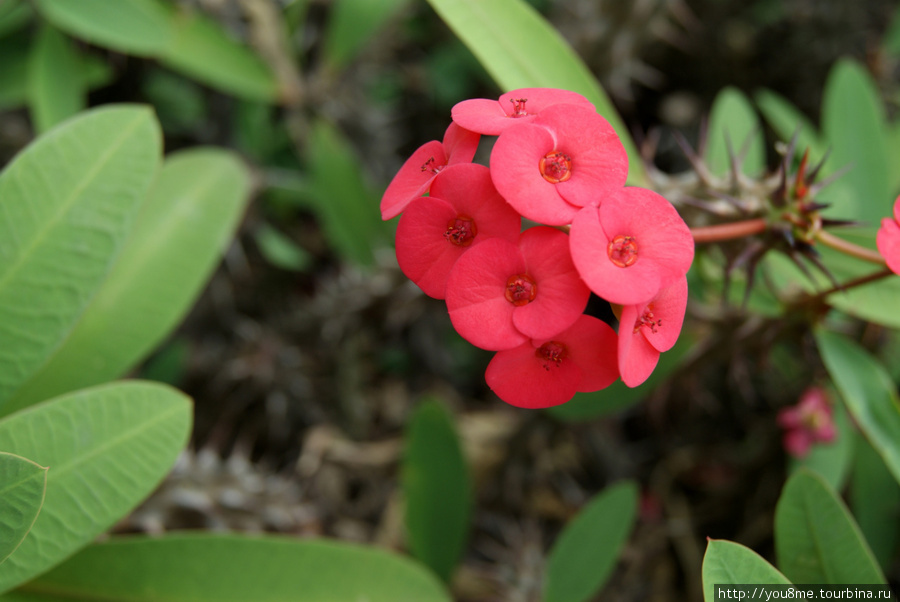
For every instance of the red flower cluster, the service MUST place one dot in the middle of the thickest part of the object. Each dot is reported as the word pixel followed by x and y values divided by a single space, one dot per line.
pixel 888 239
pixel 523 293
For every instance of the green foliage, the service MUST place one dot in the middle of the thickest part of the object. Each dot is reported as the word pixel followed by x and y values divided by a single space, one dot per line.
pixel 22 487
pixel 729 563
pixel 281 251
pixel 205 567
pixel 586 552
pixel 874 499
pixel 437 489
pixel 788 121
pixel 66 204
pixel 734 127
pixel 14 15
pixel 179 235
pixel 353 23
pixel 816 538
pixel 57 87
pixel 106 449
pixel 867 391
pixel 521 50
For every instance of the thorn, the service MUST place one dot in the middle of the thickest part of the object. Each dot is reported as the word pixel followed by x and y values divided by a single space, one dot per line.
pixel 813 256
pixel 751 277
pixel 703 135
pixel 795 257
pixel 695 160
pixel 814 172
pixel 734 166
pixel 818 186
pixel 840 223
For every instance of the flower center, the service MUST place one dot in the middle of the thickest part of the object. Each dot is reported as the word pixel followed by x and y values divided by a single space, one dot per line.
pixel 647 319
pixel 623 251
pixel 430 166
pixel 551 353
pixel 461 231
pixel 520 289
pixel 556 167
pixel 518 107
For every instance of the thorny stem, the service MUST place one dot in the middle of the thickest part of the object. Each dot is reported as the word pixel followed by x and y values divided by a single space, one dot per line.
pixel 848 248
pixel 819 297
pixel 729 231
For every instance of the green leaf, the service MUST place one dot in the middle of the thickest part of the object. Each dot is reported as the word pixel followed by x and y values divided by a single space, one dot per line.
pixel 14 15
pixel 867 391
pixel 587 550
pixel 831 461
pixel 66 204
pixel 875 500
pixel 55 78
pixel 107 448
pixel 893 140
pixel 733 121
pixel 352 24
pixel 139 27
pixel 344 203
pixel 816 539
pixel 13 72
pixel 437 489
pixel 730 563
pixel 787 120
pixel 201 49
pixel 855 126
pixel 182 228
pixel 281 251
pixel 520 49
pixel 204 567
pixel 22 487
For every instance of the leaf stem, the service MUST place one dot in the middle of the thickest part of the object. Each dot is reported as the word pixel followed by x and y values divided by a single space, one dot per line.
pixel 848 248
pixel 729 231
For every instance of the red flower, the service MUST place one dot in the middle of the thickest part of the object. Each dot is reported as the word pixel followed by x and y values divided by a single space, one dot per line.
pixel 647 329
pixel 491 117
pixel 568 157
pixel 417 173
pixel 501 294
pixel 630 247
pixel 888 239
pixel 464 209
pixel 810 421
pixel 544 373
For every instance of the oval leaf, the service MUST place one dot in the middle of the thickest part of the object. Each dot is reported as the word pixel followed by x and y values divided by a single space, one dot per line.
pixel 437 489
pixel 855 126
pixel 22 487
pixel 521 50
pixel 787 121
pixel 211 568
pixel 875 500
pixel 587 550
pixel 66 204
pixel 352 24
pixel 140 27
pixel 201 49
pixel 107 448
pixel 816 539
pixel 56 84
pixel 868 392
pixel 734 130
pixel 729 563
pixel 183 225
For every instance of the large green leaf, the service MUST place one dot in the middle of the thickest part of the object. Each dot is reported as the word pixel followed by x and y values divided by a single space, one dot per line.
pixel 14 15
pixel 215 568
pixel 787 120
pixel 437 489
pixel 201 49
pixel 140 27
pixel 521 50
pixel 107 448
pixel 182 227
pixel 728 563
pixel 855 126
pixel 733 122
pixel 56 86
pixel 875 501
pixel 22 487
pixel 816 539
pixel 338 193
pixel 66 203
pixel 352 24
pixel 587 550
pixel 867 391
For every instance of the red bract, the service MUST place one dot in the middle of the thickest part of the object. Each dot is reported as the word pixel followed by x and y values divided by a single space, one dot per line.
pixel 491 117
pixel 810 421
pixel 568 157
pixel 544 373
pixel 417 173
pixel 464 209
pixel 888 239
pixel 630 247
pixel 501 294
pixel 647 329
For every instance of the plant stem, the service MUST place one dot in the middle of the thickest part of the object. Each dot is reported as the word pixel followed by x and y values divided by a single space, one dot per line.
pixel 854 283
pixel 848 248
pixel 729 231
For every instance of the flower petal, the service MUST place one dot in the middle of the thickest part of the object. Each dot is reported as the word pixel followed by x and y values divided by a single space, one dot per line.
pixel 521 378
pixel 592 345
pixel 888 241
pixel 668 309
pixel 637 357
pixel 412 180
pixel 460 144
pixel 423 253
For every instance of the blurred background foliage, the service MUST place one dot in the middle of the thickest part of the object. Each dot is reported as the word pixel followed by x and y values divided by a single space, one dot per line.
pixel 308 353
